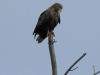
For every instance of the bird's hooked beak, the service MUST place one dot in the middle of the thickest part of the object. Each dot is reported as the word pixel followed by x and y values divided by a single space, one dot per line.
pixel 60 10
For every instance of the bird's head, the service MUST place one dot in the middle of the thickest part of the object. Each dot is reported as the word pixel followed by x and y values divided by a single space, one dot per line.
pixel 56 7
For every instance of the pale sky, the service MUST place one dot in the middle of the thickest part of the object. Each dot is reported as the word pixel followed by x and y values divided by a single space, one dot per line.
pixel 78 33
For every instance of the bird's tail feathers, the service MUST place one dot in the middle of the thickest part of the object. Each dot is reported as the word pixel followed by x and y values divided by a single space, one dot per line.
pixel 39 39
pixel 34 34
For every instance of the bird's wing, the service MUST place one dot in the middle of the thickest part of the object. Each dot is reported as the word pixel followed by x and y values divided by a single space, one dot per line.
pixel 59 19
pixel 43 19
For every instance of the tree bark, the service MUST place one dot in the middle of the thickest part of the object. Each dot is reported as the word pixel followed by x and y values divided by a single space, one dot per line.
pixel 52 54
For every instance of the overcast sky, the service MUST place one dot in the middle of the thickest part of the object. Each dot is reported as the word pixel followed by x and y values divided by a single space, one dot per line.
pixel 78 33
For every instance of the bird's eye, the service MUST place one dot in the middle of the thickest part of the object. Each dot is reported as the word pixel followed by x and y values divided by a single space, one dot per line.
pixel 60 8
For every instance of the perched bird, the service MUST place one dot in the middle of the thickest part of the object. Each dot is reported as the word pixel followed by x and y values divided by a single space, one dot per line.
pixel 47 21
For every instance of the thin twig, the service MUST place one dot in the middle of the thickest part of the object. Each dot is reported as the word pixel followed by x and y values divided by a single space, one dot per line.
pixel 94 69
pixel 52 54
pixel 74 64
pixel 74 69
pixel 95 73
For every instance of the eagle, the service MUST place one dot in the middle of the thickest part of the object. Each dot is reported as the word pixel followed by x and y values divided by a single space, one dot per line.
pixel 47 21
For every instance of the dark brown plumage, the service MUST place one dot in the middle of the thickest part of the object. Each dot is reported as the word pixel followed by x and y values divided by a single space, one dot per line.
pixel 47 21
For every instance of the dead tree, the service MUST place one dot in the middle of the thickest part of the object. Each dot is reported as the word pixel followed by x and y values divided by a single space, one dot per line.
pixel 51 42
pixel 52 54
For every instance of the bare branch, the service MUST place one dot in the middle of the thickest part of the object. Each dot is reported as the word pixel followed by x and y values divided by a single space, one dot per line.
pixel 74 64
pixel 52 54
pixel 74 69
pixel 97 73
pixel 54 41
pixel 94 71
